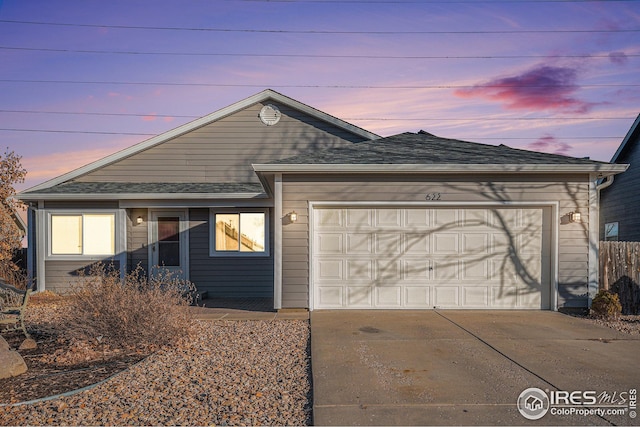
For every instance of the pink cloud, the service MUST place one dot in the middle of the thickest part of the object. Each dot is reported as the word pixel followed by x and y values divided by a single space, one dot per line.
pixel 541 88
pixel 150 117
pixel 549 144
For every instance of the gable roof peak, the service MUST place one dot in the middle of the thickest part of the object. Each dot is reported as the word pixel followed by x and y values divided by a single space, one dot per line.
pixel 267 94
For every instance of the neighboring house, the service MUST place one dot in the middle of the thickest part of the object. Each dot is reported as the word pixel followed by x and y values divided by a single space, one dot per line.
pixel 620 198
pixel 270 197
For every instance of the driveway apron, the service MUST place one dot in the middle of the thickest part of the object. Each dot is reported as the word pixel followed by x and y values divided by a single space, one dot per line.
pixel 460 367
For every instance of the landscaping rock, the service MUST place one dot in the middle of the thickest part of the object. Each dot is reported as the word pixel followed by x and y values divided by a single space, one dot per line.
pixel 28 344
pixel 11 363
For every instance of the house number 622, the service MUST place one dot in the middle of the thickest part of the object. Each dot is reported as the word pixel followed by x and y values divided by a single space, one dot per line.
pixel 432 196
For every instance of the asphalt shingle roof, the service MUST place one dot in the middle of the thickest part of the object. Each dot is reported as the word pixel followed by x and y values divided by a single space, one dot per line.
pixel 151 188
pixel 425 148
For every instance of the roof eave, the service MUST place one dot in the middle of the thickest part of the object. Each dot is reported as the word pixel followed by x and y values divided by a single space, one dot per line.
pixel 33 196
pixel 626 139
pixel 602 170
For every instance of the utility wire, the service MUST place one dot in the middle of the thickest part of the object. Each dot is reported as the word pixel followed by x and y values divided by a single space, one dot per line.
pixel 277 31
pixel 153 134
pixel 439 119
pixel 334 56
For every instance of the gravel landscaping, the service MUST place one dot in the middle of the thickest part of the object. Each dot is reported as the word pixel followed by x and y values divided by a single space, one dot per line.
pixel 234 373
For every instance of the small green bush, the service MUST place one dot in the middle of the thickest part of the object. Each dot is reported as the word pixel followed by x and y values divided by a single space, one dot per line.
pixel 606 305
pixel 137 313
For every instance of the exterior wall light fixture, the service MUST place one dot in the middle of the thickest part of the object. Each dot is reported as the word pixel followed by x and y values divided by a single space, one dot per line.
pixel 139 220
pixel 293 216
pixel 575 217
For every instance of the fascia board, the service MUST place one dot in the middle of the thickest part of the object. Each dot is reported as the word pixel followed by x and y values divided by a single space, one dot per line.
pixel 600 169
pixel 136 196
pixel 626 139
pixel 198 123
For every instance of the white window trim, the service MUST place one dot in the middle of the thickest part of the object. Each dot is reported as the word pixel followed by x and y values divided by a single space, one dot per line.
pixel 212 232
pixel 119 239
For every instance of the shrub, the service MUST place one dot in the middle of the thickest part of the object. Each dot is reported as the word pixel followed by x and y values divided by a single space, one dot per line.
pixel 606 305
pixel 139 312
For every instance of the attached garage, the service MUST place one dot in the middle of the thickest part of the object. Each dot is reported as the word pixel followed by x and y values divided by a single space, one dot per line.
pixel 424 257
pixel 414 221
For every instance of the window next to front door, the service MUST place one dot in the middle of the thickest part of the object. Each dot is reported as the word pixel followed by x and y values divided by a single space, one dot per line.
pixel 239 233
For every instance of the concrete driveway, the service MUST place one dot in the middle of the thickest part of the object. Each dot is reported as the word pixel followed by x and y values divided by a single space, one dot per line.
pixel 464 367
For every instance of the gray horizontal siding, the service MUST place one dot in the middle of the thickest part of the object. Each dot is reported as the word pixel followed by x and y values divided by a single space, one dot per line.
pixel 226 276
pixel 61 276
pixel 223 151
pixel 572 194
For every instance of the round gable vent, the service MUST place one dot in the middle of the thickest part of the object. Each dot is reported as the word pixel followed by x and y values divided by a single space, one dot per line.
pixel 270 115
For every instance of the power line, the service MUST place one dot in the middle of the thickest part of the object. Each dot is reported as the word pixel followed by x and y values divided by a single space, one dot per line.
pixel 279 31
pixel 439 119
pixel 75 131
pixel 306 86
pixel 86 113
pixel 332 56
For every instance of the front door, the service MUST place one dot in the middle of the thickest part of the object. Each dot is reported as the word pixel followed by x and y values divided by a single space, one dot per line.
pixel 168 243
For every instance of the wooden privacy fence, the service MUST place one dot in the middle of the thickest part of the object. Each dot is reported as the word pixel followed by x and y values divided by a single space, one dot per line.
pixel 620 273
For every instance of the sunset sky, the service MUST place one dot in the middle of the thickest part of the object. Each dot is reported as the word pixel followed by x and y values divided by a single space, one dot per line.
pixel 83 79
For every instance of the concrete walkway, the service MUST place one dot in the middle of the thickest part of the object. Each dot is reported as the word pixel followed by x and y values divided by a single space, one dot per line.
pixel 244 309
pixel 461 367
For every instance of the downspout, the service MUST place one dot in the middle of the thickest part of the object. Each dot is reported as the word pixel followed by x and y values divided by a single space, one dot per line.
pixel 604 184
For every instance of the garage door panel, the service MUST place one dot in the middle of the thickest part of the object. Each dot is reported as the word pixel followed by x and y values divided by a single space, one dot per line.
pixel 504 296
pixel 446 296
pixel 530 243
pixel 475 269
pixel 446 243
pixel 329 244
pixel 359 243
pixel 330 296
pixel 388 244
pixel 426 257
pixel 474 243
pixel 475 297
pixel 418 218
pixel 388 218
pixel 444 270
pixel 388 296
pixel 330 269
pixel 475 218
pixel 358 269
pixel 329 218
pixel 529 298
pixel 362 218
pixel 359 296
pixel 388 269
pixel 417 296
pixel 417 269
pixel 445 218
pixel 417 244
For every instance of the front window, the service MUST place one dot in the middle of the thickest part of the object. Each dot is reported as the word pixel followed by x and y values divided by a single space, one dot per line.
pixel 239 232
pixel 82 234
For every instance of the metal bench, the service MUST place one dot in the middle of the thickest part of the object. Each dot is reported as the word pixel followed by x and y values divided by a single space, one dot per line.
pixel 13 305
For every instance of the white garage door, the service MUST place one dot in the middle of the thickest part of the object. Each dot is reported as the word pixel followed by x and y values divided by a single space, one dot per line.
pixel 426 258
